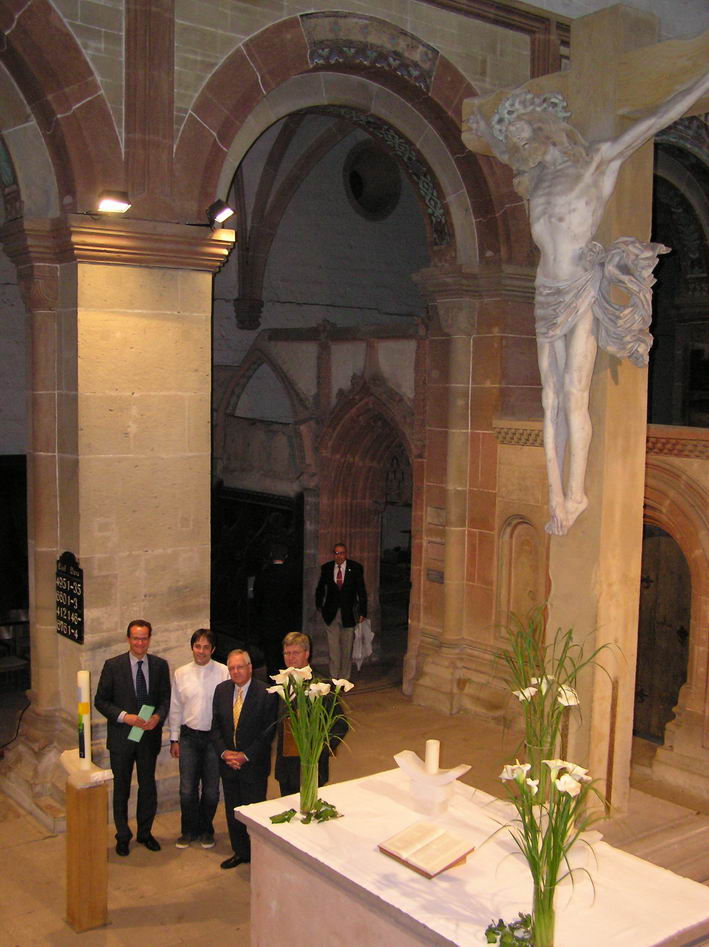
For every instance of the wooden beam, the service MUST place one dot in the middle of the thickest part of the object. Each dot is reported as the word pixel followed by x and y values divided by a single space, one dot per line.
pixel 649 75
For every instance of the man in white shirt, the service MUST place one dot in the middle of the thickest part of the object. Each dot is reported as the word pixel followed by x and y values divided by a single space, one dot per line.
pixel 190 721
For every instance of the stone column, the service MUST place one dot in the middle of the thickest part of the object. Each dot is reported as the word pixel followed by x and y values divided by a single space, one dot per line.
pixel 119 462
pixel 595 569
pixel 469 382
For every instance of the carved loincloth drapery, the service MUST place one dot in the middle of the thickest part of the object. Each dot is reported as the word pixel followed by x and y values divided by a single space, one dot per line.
pixel 622 330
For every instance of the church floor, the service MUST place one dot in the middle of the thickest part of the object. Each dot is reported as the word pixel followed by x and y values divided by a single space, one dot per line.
pixel 183 897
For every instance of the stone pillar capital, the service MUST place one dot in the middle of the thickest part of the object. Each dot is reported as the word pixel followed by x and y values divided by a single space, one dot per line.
pixel 455 291
pixel 82 238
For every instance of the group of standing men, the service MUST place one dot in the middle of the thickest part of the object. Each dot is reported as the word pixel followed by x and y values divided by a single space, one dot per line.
pixel 222 720
pixel 222 723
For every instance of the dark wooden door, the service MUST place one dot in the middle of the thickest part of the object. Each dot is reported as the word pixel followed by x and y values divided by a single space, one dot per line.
pixel 663 633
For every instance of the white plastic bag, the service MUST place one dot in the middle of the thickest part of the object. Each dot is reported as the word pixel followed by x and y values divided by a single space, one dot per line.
pixel 362 646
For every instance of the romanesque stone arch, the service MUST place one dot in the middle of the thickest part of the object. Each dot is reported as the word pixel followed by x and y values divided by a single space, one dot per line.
pixel 287 63
pixel 66 99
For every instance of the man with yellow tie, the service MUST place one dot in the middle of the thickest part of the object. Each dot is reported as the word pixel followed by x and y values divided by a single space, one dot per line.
pixel 243 725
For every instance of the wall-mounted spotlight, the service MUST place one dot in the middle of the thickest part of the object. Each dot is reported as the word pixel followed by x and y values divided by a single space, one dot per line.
pixel 113 202
pixel 218 212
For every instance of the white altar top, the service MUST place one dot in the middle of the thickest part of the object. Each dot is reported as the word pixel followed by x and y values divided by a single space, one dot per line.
pixel 629 902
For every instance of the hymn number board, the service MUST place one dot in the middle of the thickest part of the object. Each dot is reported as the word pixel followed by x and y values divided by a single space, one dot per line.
pixel 70 598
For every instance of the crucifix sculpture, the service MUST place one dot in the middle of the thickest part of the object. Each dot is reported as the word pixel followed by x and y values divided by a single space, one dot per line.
pixel 568 183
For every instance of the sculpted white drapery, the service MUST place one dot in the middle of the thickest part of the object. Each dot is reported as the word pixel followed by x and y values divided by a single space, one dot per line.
pixel 568 183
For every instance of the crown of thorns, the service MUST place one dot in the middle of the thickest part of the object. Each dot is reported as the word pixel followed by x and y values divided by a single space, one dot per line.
pixel 521 103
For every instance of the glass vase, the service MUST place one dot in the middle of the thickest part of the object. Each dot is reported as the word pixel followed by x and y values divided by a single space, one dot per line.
pixel 543 917
pixel 308 785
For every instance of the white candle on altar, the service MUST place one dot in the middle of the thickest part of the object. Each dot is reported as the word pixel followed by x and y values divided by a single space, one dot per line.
pixel 83 687
pixel 433 749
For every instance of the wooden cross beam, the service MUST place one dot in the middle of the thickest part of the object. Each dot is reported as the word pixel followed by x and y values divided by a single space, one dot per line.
pixel 644 78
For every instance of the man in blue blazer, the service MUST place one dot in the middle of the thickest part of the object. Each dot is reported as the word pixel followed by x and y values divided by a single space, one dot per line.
pixel 341 598
pixel 243 724
pixel 127 683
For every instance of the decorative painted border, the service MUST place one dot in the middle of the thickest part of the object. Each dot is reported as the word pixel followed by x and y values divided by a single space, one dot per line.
pixel 519 433
pixel 667 441
pixel 346 39
pixel 662 440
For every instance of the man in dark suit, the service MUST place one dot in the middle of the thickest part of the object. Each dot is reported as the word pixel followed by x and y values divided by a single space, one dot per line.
pixel 341 598
pixel 127 683
pixel 243 724
pixel 296 654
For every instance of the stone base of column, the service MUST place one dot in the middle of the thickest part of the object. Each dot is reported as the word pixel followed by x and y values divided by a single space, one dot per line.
pixel 32 775
pixel 436 683
pixel 682 764
pixel 464 680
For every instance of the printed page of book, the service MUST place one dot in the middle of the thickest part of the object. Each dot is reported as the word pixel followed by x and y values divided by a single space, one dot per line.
pixel 439 853
pixel 403 844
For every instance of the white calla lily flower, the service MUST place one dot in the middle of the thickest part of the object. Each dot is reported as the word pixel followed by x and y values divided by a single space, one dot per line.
pixel 542 682
pixel 555 766
pixel 515 770
pixel 567 696
pixel 568 784
pixel 343 683
pixel 318 689
pixel 525 694
pixel 300 674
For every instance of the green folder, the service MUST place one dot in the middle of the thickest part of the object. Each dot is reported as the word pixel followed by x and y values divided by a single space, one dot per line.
pixel 145 713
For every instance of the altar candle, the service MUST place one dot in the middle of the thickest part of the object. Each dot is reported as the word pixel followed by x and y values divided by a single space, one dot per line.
pixel 83 687
pixel 433 749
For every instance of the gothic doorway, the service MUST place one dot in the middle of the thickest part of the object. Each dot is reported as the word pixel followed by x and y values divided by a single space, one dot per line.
pixel 663 633
pixel 366 503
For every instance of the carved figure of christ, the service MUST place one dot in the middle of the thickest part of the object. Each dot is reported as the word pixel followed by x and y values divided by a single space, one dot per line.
pixel 568 184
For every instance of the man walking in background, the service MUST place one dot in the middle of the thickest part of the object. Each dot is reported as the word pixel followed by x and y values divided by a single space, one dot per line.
pixel 341 598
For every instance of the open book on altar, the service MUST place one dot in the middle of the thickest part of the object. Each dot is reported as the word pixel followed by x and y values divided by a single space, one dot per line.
pixel 427 848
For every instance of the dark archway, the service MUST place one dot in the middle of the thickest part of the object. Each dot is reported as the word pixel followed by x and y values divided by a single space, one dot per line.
pixel 679 358
pixel 663 633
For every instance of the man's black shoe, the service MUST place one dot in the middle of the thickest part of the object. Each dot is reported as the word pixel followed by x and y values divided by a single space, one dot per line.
pixel 234 861
pixel 150 843
pixel 122 847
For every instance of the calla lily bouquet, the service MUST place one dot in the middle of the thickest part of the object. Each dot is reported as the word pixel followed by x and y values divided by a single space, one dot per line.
pixel 549 794
pixel 312 709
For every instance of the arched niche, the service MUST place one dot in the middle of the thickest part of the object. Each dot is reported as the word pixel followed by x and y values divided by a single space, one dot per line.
pixel 522 570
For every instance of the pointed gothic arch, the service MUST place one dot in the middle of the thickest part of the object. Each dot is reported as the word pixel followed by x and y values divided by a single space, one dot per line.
pixel 235 387
pixel 368 426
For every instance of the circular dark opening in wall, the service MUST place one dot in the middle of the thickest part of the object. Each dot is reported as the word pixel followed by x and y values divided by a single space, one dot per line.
pixel 372 181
